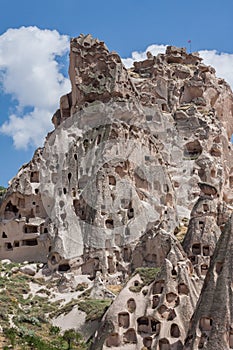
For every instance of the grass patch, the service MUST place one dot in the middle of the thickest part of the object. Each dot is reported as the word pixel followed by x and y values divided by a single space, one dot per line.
pixel 7 267
pixel 115 288
pixel 65 309
pixel 81 287
pixel 147 274
pixel 94 308
pixel 136 289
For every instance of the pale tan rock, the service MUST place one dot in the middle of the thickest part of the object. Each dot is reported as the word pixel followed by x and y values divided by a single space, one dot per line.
pixel 29 269
pixel 211 325
pixel 135 157
pixel 157 314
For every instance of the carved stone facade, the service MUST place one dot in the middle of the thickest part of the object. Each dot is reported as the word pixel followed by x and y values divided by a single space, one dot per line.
pixel 135 154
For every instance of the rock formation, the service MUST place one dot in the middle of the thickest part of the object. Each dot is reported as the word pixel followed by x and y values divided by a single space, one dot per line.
pixel 152 316
pixel 137 158
pixel 211 324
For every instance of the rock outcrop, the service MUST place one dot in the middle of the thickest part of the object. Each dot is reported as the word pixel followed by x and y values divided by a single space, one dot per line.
pixel 137 158
pixel 152 316
pixel 211 324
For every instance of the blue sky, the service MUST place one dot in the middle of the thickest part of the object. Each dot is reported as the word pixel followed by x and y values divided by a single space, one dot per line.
pixel 31 81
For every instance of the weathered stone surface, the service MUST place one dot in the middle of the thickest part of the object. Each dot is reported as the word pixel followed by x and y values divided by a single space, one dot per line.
pixel 211 325
pixel 96 75
pixel 29 269
pixel 137 157
pixel 24 232
pixel 158 312
pixel 203 233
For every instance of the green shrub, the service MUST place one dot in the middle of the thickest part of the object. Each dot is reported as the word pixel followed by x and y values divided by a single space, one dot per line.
pixel 81 287
pixel 27 319
pixel 73 338
pixel 2 191
pixel 54 330
pixel 94 308
pixel 31 314
pixel 147 275
pixel 11 334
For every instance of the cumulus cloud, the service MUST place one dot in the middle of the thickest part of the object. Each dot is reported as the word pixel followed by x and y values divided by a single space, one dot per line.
pixel 140 56
pixel 222 62
pixel 30 73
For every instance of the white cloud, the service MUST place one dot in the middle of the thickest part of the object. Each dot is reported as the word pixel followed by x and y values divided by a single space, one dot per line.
pixel 30 73
pixel 140 56
pixel 30 129
pixel 222 62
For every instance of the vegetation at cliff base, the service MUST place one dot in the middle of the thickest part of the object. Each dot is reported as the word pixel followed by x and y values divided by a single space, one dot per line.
pixel 25 318
pixel 24 339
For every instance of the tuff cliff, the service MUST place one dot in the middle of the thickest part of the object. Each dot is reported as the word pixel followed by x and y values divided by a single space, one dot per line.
pixel 138 159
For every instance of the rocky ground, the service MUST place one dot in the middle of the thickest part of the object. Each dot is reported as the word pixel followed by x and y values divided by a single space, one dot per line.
pixel 38 311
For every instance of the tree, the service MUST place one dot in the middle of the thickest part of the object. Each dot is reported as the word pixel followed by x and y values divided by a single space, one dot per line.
pixel 10 333
pixel 72 338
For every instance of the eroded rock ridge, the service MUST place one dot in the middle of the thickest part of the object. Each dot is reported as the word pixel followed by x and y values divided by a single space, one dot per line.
pixel 139 161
